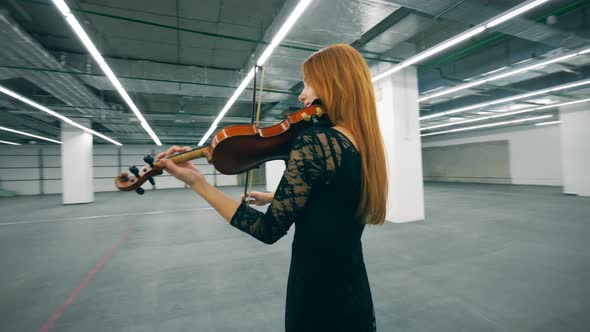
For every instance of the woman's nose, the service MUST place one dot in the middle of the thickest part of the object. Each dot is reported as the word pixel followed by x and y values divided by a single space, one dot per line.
pixel 301 98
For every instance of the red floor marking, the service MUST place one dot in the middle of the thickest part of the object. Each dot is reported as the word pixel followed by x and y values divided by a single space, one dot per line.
pixel 49 323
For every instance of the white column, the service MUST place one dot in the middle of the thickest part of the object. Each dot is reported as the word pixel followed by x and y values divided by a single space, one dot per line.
pixel 274 171
pixel 76 164
pixel 397 107
pixel 575 148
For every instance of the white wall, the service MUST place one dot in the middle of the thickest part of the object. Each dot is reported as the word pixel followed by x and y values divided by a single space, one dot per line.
pixel 575 142
pixel 397 110
pixel 274 172
pixel 76 162
pixel 535 151
pixel 480 162
pixel 22 167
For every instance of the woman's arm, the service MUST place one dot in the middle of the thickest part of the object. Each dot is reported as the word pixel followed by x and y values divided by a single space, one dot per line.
pixel 258 198
pixel 306 167
pixel 220 201
pixel 192 176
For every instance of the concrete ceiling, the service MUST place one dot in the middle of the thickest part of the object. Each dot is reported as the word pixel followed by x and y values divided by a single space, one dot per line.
pixel 181 60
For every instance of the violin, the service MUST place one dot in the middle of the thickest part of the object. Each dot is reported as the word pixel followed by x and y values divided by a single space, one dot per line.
pixel 233 150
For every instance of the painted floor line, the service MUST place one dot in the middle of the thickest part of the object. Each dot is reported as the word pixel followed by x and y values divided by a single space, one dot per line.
pixel 50 323
pixel 102 216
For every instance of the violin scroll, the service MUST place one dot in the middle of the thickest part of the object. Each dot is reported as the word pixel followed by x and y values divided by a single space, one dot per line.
pixel 126 182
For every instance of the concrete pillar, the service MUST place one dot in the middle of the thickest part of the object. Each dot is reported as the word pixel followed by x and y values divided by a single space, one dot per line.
pixel 575 148
pixel 274 172
pixel 76 164
pixel 397 107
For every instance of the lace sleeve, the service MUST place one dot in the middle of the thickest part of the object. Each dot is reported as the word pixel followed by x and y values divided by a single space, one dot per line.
pixel 306 167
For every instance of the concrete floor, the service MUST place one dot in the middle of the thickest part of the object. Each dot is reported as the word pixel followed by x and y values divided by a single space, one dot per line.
pixel 487 258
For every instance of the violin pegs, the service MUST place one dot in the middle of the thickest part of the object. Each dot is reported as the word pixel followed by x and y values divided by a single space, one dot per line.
pixel 152 181
pixel 123 177
pixel 319 112
pixel 134 170
pixel 140 190
pixel 149 160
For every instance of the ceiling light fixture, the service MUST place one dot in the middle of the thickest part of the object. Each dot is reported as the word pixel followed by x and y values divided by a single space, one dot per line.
pixel 431 51
pixel 547 123
pixel 482 118
pixel 283 31
pixel 30 135
pixel 491 72
pixel 487 125
pixel 75 25
pixel 9 143
pixel 299 9
pixel 435 89
pixel 504 100
pixel 500 76
pixel 55 114
pixel 515 12
pixel 462 36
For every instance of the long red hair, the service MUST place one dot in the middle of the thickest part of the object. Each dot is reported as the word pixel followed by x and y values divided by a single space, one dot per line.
pixel 341 79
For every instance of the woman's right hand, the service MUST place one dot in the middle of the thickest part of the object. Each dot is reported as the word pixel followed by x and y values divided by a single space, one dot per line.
pixel 258 198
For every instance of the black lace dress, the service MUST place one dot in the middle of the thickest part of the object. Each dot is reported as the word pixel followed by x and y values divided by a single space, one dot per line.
pixel 328 289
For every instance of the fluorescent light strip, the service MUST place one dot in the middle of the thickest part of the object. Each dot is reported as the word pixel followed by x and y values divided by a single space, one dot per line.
pixel 494 71
pixel 487 125
pixel 547 123
pixel 515 12
pixel 430 52
pixel 461 37
pixel 482 118
pixel 207 134
pixel 30 135
pixel 55 114
pixel 9 143
pixel 234 97
pixel 455 89
pixel 228 105
pixel 504 100
pixel 297 12
pixel 500 76
pixel 75 25
pixel 284 30
pixel 435 89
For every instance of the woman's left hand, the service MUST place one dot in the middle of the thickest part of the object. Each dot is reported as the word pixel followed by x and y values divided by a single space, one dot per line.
pixel 186 171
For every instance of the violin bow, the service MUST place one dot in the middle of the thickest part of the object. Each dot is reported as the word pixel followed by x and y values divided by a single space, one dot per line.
pixel 248 185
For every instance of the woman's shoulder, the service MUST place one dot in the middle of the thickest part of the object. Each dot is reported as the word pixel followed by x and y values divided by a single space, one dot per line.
pixel 313 135
pixel 329 136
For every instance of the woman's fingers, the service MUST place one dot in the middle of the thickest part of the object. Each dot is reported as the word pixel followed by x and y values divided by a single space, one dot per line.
pixel 173 149
pixel 251 199
pixel 171 167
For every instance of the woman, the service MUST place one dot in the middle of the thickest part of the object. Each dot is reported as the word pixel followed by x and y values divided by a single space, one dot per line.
pixel 335 183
